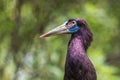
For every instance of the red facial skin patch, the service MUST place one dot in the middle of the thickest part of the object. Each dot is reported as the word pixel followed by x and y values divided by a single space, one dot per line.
pixel 70 24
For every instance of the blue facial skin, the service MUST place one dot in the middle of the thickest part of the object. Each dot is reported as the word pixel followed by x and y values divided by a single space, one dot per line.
pixel 73 29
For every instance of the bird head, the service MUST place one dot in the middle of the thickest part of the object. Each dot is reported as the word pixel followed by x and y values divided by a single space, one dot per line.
pixel 76 27
pixel 68 27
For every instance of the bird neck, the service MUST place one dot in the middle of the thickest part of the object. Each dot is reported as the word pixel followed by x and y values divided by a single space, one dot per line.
pixel 76 46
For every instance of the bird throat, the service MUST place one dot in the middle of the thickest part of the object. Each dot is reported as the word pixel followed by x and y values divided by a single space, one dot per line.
pixel 76 46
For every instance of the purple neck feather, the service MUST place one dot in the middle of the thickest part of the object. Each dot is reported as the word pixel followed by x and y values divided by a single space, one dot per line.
pixel 83 36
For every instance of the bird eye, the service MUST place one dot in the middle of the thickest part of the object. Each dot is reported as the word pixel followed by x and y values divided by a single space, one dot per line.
pixel 73 22
pixel 70 24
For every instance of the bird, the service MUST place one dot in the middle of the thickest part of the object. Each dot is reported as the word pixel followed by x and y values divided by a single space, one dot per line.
pixel 78 65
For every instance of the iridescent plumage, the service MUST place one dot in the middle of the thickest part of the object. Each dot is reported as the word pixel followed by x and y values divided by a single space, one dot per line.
pixel 78 66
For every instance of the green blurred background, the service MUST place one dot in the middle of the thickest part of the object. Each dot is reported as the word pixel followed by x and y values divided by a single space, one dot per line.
pixel 24 56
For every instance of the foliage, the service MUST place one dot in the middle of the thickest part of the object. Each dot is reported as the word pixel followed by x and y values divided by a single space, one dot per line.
pixel 23 56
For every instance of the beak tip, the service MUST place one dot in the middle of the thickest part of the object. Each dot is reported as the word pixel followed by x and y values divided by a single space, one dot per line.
pixel 42 36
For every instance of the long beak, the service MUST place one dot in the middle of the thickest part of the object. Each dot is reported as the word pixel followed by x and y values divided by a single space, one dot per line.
pixel 58 30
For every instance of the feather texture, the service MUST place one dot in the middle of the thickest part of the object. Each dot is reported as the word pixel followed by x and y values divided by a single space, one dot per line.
pixel 78 66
